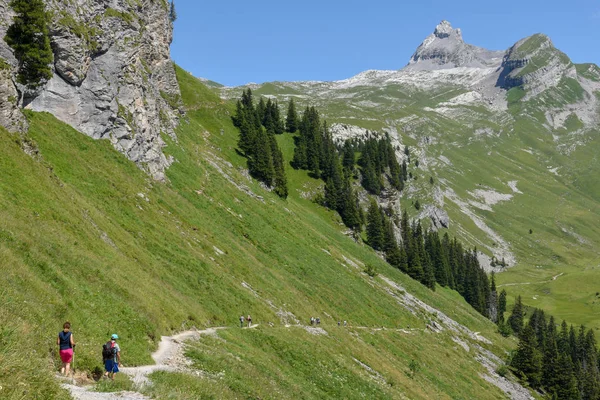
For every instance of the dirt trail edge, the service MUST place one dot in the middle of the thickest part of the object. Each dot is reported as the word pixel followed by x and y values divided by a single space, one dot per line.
pixel 168 357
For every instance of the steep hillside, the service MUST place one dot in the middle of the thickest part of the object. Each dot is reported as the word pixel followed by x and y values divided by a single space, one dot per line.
pixel 87 236
pixel 510 138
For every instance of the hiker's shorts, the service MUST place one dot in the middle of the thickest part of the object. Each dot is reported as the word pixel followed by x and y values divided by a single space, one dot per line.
pixel 111 366
pixel 66 355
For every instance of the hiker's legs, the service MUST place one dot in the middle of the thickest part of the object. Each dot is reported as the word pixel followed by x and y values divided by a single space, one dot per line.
pixel 67 368
pixel 63 368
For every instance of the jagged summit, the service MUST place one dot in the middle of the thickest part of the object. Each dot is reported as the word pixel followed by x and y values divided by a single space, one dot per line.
pixel 444 30
pixel 445 48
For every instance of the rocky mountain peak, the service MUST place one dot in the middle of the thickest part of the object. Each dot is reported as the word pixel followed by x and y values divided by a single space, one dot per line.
pixel 536 65
pixel 445 30
pixel 445 48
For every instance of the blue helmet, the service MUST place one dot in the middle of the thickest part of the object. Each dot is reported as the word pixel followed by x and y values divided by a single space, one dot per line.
pixel 114 336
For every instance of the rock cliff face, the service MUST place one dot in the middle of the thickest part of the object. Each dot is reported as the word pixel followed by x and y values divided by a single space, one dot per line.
pixel 114 78
pixel 10 113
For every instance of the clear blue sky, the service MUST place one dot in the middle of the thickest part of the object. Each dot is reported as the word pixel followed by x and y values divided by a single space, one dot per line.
pixel 235 42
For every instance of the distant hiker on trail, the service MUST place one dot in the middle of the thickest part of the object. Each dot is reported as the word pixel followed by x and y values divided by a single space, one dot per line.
pixel 241 321
pixel 249 321
pixel 339 322
pixel 111 355
pixel 345 323
pixel 312 320
pixel 318 321
pixel 66 345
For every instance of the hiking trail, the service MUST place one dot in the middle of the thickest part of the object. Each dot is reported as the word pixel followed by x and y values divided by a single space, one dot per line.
pixel 555 277
pixel 168 357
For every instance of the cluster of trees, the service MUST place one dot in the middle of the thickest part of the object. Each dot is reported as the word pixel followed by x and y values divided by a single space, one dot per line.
pixel 422 255
pixel 376 159
pixel 258 126
pixel 29 38
pixel 426 257
pixel 563 361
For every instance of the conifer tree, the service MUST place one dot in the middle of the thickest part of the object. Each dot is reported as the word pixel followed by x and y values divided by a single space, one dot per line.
pixel 278 121
pixel 29 38
pixel 566 382
pixel 493 300
pixel 375 232
pixel 350 209
pixel 261 111
pixel 172 12
pixel 348 156
pixel 279 177
pixel 527 358
pixel 550 362
pixel 501 305
pixel 291 121
pixel 516 317
pixel 390 246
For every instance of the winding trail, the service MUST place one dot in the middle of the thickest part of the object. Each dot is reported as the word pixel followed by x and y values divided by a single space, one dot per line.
pixel 555 277
pixel 168 357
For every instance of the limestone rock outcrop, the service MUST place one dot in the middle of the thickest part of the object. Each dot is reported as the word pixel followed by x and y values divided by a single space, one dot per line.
pixel 113 75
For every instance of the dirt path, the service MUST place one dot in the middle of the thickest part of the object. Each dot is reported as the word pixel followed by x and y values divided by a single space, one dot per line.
pixel 555 277
pixel 168 357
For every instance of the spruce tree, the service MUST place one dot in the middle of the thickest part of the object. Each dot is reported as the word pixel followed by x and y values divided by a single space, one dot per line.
pixel 516 317
pixel 291 121
pixel 493 301
pixel 550 362
pixel 375 232
pixel 566 382
pixel 527 358
pixel 390 246
pixel 350 208
pixel 279 177
pixel 348 156
pixel 29 38
pixel 172 12
pixel 501 305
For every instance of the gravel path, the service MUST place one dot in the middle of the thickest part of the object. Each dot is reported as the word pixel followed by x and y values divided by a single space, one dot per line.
pixel 168 357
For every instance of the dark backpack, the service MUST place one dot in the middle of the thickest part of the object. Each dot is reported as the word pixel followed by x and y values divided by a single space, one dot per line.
pixel 108 350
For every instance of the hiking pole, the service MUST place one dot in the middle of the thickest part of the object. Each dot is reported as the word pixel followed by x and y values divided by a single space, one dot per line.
pixel 73 365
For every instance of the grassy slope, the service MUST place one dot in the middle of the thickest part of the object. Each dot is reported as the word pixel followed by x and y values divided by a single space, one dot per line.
pixel 85 236
pixel 560 208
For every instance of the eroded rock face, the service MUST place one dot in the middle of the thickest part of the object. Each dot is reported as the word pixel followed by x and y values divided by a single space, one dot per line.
pixel 114 78
pixel 439 218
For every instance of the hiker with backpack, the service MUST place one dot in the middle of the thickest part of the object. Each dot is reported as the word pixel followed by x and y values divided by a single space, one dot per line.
pixel 241 321
pixel 249 321
pixel 66 346
pixel 111 355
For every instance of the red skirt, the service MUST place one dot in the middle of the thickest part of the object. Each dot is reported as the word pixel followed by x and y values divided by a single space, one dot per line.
pixel 66 355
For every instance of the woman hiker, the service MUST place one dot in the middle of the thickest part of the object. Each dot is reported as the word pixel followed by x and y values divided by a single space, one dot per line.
pixel 111 352
pixel 66 345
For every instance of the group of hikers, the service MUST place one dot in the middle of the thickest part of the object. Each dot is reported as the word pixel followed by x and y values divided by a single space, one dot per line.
pixel 249 319
pixel 111 352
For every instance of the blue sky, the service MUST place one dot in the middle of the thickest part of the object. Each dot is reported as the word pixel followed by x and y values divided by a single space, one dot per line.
pixel 235 42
